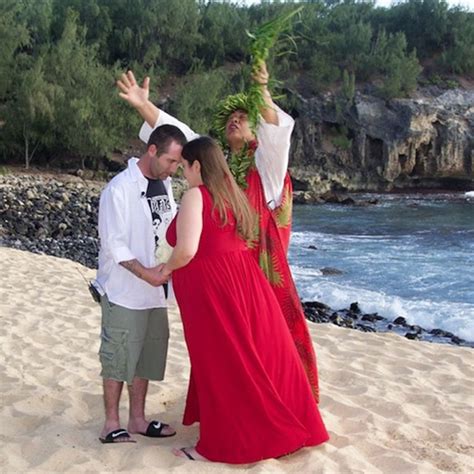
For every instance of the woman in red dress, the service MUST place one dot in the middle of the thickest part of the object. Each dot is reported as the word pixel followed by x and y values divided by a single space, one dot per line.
pixel 248 387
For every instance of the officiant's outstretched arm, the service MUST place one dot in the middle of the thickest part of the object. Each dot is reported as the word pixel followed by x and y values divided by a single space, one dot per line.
pixel 138 97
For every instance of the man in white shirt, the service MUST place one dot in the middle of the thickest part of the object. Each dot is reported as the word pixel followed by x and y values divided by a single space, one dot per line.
pixel 134 212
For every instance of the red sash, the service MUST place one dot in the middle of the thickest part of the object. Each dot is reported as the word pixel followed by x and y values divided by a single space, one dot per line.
pixel 270 250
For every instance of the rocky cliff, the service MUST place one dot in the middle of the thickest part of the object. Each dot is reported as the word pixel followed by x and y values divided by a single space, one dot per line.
pixel 376 145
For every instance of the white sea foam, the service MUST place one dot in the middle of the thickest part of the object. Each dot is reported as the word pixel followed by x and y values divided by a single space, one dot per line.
pixel 457 318
pixel 306 238
pixel 469 194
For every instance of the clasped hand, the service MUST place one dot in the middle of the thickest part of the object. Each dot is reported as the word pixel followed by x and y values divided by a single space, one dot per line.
pixel 157 276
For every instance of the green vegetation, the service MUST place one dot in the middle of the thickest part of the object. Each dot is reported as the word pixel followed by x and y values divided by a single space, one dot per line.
pixel 197 96
pixel 341 140
pixel 60 58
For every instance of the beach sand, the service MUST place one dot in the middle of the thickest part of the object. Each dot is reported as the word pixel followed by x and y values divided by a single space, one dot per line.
pixel 391 405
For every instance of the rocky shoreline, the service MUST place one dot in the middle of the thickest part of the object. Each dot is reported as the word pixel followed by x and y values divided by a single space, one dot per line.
pixel 58 216
pixel 43 214
pixel 354 318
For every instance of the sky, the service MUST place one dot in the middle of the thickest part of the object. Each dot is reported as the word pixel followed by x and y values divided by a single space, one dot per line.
pixel 386 3
pixel 464 3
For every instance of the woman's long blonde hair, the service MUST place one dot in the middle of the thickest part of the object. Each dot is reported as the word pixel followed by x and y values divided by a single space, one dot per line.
pixel 218 179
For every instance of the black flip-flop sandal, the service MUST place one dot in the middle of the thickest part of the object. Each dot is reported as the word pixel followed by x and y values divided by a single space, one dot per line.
pixel 183 450
pixel 154 430
pixel 117 436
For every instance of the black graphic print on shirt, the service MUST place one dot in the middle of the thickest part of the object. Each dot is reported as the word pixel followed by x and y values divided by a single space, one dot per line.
pixel 160 207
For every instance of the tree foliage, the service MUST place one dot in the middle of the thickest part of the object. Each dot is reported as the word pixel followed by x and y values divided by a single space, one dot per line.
pixel 458 57
pixel 197 97
pixel 14 36
pixel 59 60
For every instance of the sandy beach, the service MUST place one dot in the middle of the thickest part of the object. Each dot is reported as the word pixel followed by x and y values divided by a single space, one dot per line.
pixel 391 405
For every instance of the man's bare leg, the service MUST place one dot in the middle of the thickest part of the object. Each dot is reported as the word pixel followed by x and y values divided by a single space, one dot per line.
pixel 112 392
pixel 137 422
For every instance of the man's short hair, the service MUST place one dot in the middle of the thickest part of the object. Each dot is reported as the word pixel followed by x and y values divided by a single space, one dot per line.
pixel 163 136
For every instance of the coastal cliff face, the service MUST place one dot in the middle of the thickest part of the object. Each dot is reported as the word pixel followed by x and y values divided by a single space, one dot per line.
pixel 375 145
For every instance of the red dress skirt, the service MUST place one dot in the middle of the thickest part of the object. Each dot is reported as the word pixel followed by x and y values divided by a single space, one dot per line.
pixel 248 388
pixel 270 250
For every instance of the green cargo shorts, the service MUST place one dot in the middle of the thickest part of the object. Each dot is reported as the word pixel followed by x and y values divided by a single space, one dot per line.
pixel 134 343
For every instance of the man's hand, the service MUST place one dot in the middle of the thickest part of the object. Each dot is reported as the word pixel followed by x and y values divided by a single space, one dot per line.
pixel 164 271
pixel 135 95
pixel 260 75
pixel 155 276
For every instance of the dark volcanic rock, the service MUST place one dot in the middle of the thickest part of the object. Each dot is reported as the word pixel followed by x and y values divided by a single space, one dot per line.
pixel 372 317
pixel 317 312
pixel 400 320
pixel 441 333
pixel 47 215
pixel 354 307
pixel 364 328
pixel 316 305
pixel 299 185
pixel 330 271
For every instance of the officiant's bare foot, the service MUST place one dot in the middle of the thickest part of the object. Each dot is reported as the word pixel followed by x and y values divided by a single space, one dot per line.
pixel 189 453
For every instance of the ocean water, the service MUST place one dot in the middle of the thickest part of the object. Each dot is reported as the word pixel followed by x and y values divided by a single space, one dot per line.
pixel 409 255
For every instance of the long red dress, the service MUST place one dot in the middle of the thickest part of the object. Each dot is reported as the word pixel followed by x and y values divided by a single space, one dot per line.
pixel 248 388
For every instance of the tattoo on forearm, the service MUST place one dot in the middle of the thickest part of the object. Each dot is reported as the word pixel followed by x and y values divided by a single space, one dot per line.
pixel 133 266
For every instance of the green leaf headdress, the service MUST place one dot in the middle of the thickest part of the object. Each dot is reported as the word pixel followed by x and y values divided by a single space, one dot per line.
pixel 229 105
